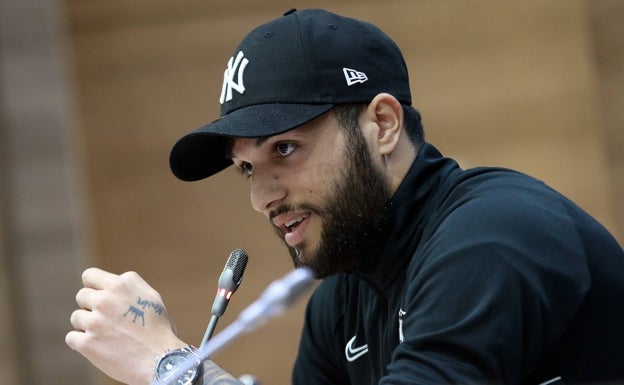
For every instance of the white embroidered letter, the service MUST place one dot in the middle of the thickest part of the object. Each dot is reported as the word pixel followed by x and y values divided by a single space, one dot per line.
pixel 233 67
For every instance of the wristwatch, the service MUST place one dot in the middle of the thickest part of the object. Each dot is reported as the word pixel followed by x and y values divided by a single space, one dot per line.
pixel 173 361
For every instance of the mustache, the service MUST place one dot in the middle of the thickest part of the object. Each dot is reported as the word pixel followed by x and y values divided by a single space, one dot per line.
pixel 286 208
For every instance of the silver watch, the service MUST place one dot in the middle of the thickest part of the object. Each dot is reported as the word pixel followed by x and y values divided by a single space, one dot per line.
pixel 171 362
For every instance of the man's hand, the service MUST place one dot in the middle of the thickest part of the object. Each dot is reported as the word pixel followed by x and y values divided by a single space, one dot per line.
pixel 121 326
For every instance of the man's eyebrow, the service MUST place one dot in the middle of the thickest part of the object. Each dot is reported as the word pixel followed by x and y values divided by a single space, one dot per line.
pixel 230 144
pixel 261 140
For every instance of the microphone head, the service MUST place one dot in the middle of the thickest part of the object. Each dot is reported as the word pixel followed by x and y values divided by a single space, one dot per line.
pixel 237 262
pixel 229 280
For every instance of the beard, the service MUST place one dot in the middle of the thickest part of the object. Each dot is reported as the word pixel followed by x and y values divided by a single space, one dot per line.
pixel 353 214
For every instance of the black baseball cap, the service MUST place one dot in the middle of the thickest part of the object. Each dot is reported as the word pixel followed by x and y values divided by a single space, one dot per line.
pixel 288 72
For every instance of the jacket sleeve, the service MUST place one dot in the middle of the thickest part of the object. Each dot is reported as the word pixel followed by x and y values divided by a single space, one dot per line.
pixel 491 291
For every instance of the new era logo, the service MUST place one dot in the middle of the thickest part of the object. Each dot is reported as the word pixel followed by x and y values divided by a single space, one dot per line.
pixel 353 76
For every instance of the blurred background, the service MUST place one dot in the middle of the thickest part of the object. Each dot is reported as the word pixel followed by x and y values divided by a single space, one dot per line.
pixel 93 94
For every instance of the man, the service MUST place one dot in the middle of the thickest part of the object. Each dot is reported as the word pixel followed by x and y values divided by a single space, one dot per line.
pixel 431 274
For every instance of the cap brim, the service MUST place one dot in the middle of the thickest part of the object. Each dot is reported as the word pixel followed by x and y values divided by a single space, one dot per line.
pixel 201 153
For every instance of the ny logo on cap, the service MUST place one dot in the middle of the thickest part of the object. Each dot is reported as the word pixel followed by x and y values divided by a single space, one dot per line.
pixel 233 67
pixel 353 76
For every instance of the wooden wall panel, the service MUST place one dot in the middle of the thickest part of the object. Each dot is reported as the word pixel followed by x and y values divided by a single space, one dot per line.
pixel 41 232
pixel 509 84
pixel 607 31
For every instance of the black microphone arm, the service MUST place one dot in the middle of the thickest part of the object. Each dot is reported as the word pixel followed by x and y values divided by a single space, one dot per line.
pixel 276 298
pixel 229 281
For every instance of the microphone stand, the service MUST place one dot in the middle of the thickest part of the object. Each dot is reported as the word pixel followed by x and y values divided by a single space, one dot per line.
pixel 209 330
pixel 276 298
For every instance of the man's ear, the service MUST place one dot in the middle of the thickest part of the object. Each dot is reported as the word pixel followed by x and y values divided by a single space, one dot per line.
pixel 386 111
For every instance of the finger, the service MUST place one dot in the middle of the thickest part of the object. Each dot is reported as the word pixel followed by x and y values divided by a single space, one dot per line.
pixel 79 319
pixel 79 341
pixel 74 339
pixel 85 298
pixel 138 281
pixel 97 278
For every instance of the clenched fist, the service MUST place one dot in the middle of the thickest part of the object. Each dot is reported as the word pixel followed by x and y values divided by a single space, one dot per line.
pixel 121 325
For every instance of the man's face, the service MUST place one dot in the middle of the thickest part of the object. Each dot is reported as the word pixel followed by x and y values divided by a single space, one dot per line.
pixel 320 190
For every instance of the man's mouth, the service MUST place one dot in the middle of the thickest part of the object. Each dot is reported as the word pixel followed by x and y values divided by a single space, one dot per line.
pixel 293 223
pixel 292 226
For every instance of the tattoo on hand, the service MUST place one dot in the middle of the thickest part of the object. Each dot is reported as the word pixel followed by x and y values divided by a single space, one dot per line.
pixel 136 314
pixel 139 314
pixel 158 308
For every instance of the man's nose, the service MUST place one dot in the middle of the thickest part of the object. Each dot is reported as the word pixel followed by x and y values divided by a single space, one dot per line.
pixel 267 190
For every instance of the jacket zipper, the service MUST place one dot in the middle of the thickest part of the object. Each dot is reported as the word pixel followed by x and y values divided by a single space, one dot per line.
pixel 401 314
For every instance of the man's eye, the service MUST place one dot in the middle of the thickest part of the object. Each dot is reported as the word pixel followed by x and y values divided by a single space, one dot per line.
pixel 285 149
pixel 245 169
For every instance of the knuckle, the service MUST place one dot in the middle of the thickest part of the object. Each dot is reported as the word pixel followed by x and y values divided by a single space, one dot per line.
pixel 119 284
pixel 130 276
pixel 101 302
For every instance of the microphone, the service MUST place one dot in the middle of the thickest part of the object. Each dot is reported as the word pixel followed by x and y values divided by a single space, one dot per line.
pixel 229 280
pixel 275 299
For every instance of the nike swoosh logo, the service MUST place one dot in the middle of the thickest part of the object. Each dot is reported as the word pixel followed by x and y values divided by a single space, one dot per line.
pixel 352 353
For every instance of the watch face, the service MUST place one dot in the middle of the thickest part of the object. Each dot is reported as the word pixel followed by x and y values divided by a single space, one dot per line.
pixel 168 364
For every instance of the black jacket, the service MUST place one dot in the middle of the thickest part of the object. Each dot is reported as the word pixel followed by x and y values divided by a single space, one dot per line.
pixel 482 276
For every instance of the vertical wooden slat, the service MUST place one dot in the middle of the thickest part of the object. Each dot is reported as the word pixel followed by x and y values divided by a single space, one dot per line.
pixel 606 20
pixel 41 234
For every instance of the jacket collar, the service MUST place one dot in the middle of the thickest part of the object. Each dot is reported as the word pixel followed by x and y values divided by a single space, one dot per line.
pixel 408 210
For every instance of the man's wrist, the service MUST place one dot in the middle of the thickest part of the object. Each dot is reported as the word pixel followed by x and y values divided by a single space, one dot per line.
pixel 180 366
